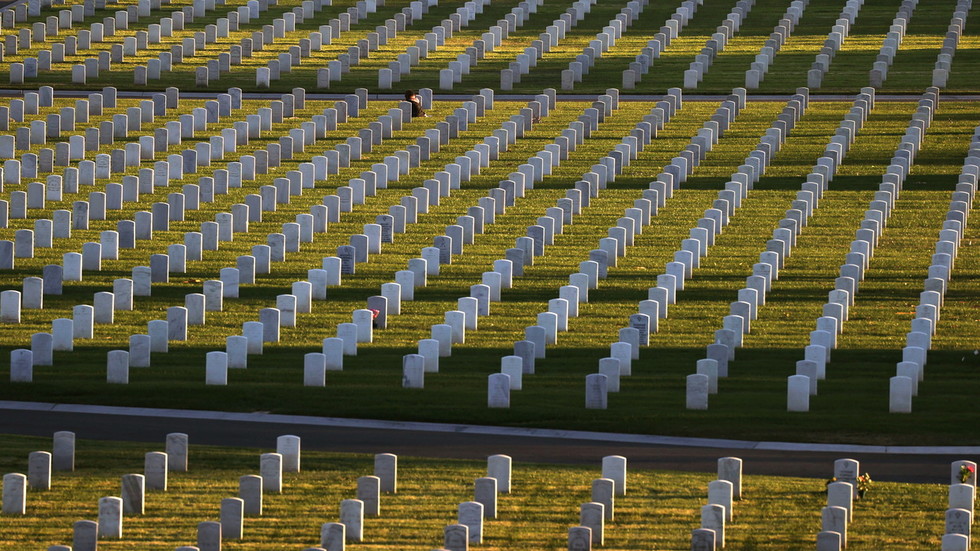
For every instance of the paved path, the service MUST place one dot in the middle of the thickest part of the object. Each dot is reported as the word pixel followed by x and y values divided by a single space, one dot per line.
pixel 908 464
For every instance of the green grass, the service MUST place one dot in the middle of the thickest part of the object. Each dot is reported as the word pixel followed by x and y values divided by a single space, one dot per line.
pixel 658 512
pixel 852 405
pixel 912 69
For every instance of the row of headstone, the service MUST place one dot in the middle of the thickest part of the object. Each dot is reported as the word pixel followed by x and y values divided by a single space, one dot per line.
pixel 539 236
pixel 745 309
pixel 542 234
pixel 756 73
pixel 823 339
pixel 473 223
pixel 233 510
pixel 891 43
pixel 137 152
pixel 110 509
pixel 597 385
pixel 472 55
pixel 403 63
pixel 350 527
pixel 718 512
pixel 39 31
pixel 911 370
pixel 22 11
pixel 96 210
pixel 958 530
pixel 494 37
pixel 81 12
pixel 379 308
pixel 841 495
pixel 336 68
pixel 550 323
pixel 191 250
pixel 703 61
pixel 222 179
pixel 602 43
pixel 286 459
pixel 547 40
pixel 65 119
pixel 499 385
pixel 645 322
pixel 961 509
pixel 954 31
pixel 314 42
pixel 842 491
pixel 471 515
pixel 190 47
pixel 16 108
pixel 504 269
pixel 594 514
pixel 182 318
pixel 84 39
pixel 431 41
pixel 654 47
pixel 833 43
pixel 715 516
pixel 40 465
pixel 82 220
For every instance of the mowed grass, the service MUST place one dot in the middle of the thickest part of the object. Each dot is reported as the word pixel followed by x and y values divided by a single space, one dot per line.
pixel 912 69
pixel 852 405
pixel 658 512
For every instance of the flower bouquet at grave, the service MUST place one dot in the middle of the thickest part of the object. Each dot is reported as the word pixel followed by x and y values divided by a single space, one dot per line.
pixel 864 483
pixel 374 315
pixel 966 473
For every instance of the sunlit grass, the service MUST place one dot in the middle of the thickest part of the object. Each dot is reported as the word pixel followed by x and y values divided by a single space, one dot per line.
pixel 658 512
pixel 853 402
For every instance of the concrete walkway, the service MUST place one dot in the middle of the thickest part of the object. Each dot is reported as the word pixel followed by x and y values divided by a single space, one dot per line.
pixel 259 429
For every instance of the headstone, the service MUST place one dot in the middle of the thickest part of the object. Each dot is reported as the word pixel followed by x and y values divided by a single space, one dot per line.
pixel 456 537
pixel 270 469
pixel 352 517
pixel 177 451
pixel 579 538
pixel 369 492
pixel 232 515
pixel 386 469
pixel 110 524
pixel 713 518
pixel 289 447
pixel 614 468
pixel 63 451
pixel 485 492
pixel 14 494
pixel 333 536
pixel 133 494
pixel 39 470
pixel 250 491
pixel 155 470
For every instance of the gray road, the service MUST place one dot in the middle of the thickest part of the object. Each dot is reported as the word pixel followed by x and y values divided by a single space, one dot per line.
pixel 468 442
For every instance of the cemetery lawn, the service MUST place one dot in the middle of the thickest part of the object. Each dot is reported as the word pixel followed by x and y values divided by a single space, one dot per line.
pixel 853 403
pixel 911 72
pixel 658 512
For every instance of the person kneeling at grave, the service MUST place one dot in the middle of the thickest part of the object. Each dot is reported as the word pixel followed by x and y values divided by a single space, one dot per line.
pixel 416 102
